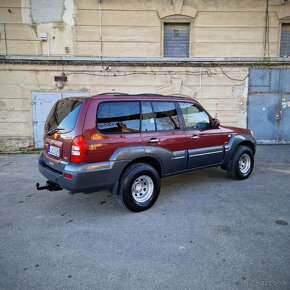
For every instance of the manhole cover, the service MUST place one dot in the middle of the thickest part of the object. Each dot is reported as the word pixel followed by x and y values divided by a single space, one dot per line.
pixel 282 223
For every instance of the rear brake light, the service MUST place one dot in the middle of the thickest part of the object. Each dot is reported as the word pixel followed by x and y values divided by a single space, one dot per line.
pixel 78 150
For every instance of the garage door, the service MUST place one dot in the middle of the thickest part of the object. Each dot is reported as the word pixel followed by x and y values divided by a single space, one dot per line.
pixel 269 105
pixel 42 102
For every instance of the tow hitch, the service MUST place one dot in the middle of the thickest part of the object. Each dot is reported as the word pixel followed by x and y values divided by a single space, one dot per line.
pixel 51 186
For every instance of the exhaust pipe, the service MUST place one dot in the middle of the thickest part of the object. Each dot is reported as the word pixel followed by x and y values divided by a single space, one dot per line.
pixel 51 186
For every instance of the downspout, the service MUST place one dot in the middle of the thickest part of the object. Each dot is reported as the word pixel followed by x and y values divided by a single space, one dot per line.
pixel 100 26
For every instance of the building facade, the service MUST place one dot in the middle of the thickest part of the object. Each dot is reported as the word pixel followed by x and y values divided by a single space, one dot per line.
pixel 232 56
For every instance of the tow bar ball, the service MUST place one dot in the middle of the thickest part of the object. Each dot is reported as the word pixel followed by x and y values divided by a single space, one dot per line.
pixel 51 186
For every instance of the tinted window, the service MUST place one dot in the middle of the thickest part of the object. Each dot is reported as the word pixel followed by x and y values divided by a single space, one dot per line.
pixel 148 121
pixel 64 115
pixel 165 116
pixel 194 117
pixel 119 117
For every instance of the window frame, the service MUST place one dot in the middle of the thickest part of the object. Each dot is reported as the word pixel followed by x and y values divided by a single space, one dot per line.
pixel 178 19
pixel 167 101
pixel 282 21
pixel 118 133
pixel 201 109
pixel 155 125
pixel 154 114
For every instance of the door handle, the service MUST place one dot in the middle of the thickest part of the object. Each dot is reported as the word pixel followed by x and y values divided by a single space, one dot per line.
pixel 195 137
pixel 153 140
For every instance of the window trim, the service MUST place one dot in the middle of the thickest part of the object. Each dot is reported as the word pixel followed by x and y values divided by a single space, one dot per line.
pixel 153 117
pixel 154 113
pixel 118 133
pixel 282 21
pixel 178 20
pixel 172 130
pixel 201 109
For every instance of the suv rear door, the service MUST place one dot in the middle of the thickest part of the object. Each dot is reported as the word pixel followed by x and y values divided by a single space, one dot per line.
pixel 162 135
pixel 59 127
pixel 205 144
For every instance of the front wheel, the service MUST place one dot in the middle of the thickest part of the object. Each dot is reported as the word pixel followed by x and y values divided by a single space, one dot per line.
pixel 242 163
pixel 139 187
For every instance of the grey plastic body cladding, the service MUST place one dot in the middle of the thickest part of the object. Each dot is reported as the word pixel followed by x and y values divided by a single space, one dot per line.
pixel 89 177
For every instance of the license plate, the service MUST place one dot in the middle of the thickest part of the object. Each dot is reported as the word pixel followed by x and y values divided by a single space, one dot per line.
pixel 53 150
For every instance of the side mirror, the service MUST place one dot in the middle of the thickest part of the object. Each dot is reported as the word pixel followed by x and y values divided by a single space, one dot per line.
pixel 215 123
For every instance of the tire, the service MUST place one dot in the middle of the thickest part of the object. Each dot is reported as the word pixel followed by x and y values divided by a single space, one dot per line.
pixel 242 163
pixel 139 187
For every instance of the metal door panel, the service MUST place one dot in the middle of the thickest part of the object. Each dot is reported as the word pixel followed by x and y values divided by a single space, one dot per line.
pixel 284 126
pixel 261 117
pixel 269 107
pixel 207 148
pixel 285 81
pixel 41 104
pixel 264 80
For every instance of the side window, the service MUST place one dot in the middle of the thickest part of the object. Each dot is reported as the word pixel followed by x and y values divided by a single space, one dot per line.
pixel 194 118
pixel 148 121
pixel 118 117
pixel 166 116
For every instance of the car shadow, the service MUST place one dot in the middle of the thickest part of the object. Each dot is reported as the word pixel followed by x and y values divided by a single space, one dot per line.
pixel 104 202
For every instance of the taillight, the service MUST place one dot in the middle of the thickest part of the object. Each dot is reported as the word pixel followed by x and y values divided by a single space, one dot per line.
pixel 78 150
pixel 68 176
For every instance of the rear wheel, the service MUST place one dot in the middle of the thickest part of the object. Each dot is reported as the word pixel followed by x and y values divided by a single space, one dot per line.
pixel 242 163
pixel 139 187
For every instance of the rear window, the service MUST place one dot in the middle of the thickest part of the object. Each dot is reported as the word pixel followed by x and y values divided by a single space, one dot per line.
pixel 63 115
pixel 119 117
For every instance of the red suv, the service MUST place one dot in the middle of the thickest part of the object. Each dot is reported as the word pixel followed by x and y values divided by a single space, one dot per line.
pixel 127 143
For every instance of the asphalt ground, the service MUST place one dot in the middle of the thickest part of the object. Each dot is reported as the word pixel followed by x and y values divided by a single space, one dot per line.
pixel 206 231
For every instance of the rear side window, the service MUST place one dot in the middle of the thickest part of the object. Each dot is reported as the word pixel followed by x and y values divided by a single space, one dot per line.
pixel 63 115
pixel 166 116
pixel 118 117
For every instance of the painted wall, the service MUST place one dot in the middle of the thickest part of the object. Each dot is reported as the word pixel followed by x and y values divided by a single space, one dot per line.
pixel 223 97
pixel 132 28
pixel 129 28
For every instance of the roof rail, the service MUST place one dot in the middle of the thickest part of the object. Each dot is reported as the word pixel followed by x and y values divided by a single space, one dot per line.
pixel 117 94
pixel 114 94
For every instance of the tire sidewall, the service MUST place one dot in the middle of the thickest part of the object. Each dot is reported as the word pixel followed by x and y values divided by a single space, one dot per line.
pixel 239 153
pixel 127 183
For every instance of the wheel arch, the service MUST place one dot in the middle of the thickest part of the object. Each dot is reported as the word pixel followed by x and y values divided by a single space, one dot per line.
pixel 154 162
pixel 248 144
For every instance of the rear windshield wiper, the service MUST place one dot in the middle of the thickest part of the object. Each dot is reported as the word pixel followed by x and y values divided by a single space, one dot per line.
pixel 54 130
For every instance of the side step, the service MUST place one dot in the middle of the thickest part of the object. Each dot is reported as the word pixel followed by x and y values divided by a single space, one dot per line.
pixel 51 186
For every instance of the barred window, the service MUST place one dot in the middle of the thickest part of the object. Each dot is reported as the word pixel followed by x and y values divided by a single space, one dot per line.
pixel 285 40
pixel 176 39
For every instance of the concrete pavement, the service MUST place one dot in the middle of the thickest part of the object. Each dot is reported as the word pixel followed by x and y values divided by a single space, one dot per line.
pixel 206 231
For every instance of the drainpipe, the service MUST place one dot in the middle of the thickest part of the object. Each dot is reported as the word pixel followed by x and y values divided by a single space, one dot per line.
pixel 101 36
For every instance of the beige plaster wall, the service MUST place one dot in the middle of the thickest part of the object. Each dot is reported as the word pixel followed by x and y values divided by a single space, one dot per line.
pixel 224 98
pixel 132 28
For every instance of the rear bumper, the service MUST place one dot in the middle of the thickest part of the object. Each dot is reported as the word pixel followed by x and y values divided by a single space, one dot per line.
pixel 88 177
